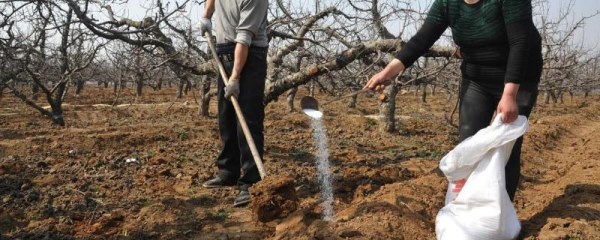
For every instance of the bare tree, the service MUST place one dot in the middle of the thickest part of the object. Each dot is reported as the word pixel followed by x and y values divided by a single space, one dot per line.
pixel 332 46
pixel 564 57
pixel 28 48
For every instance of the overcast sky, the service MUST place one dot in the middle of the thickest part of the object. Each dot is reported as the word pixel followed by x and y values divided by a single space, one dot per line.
pixel 590 34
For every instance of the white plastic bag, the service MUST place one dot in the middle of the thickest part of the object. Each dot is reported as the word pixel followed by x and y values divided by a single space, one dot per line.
pixel 482 209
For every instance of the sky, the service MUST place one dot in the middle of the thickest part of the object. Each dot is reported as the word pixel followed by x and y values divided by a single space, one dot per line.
pixel 590 34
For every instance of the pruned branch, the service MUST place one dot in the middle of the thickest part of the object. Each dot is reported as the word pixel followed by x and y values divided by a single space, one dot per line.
pixel 343 59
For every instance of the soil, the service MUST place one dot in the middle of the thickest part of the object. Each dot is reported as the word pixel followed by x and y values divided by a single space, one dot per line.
pixel 135 171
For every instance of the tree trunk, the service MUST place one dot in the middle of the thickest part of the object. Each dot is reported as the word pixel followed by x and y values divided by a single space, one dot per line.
pixel 57 112
pixel 387 108
pixel 65 91
pixel 311 89
pixel 554 97
pixel 188 87
pixel 424 92
pixel 352 102
pixel 433 88
pixel 79 87
pixel 116 86
pixel 180 89
pixel 417 88
pixel 571 95
pixel 205 96
pixel 560 96
pixel 122 84
pixel 159 84
pixel 290 99
pixel 35 91
pixel 139 85
pixel 449 93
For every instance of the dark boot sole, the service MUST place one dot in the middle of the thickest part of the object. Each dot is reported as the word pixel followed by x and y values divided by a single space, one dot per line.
pixel 241 204
pixel 217 186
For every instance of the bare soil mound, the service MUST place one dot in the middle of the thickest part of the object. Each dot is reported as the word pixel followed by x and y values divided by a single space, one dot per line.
pixel 274 197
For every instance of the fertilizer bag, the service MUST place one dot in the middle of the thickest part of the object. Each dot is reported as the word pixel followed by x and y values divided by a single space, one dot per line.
pixel 482 209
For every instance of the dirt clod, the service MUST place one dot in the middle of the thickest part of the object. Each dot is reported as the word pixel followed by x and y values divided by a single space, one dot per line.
pixel 274 197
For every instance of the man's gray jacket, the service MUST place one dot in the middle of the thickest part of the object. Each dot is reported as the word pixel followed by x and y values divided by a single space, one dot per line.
pixel 241 21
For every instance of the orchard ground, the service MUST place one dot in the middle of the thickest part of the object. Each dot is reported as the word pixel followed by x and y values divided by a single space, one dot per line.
pixel 134 171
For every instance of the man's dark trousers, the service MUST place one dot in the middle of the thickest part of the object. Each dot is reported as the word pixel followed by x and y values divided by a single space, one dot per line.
pixel 235 162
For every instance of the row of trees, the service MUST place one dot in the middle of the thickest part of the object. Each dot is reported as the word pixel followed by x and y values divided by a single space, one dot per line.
pixel 50 47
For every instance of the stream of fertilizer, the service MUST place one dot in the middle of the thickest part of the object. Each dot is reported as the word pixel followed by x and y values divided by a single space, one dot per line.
pixel 320 137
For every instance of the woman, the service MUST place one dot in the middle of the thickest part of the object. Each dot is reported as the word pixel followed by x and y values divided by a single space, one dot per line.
pixel 501 68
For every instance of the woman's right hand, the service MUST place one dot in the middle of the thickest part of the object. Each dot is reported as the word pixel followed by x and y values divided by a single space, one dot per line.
pixel 382 78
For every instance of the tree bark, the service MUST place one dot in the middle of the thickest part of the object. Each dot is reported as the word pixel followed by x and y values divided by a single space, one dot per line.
pixel 424 92
pixel 35 92
pixel 79 87
pixel 188 87
pixel 180 89
pixel 139 85
pixel 352 102
pixel 561 97
pixel 205 95
pixel 387 108
pixel 56 105
pixel 276 88
pixel 116 85
pixel 291 95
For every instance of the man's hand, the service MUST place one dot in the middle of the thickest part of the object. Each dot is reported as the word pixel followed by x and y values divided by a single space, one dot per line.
pixel 204 25
pixel 232 88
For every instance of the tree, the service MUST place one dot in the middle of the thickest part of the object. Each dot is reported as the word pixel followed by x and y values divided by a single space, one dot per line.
pixel 564 58
pixel 333 46
pixel 37 60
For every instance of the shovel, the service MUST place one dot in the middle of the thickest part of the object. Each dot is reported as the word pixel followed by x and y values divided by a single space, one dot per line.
pixel 238 110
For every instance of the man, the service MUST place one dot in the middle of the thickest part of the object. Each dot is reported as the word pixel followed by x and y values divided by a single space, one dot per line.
pixel 241 33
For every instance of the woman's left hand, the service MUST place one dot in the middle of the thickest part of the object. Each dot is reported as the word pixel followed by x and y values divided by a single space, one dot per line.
pixel 508 103
pixel 509 108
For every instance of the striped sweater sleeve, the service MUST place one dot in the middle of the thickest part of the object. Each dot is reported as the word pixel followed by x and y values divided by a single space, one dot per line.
pixel 518 19
pixel 435 24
